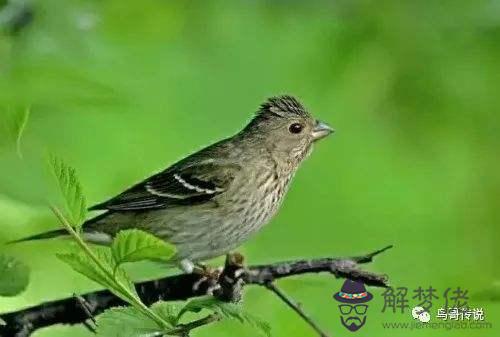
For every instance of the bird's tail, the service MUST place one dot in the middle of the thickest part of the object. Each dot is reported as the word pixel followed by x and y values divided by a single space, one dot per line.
pixel 89 233
pixel 43 236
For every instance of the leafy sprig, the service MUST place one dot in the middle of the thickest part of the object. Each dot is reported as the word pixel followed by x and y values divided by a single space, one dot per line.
pixel 103 269
pixel 71 189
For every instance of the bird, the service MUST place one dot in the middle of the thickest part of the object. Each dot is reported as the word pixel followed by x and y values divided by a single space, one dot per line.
pixel 214 200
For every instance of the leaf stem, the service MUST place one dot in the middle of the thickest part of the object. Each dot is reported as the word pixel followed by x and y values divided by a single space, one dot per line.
pixel 184 329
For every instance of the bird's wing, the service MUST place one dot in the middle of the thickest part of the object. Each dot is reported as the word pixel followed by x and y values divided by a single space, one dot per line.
pixel 195 183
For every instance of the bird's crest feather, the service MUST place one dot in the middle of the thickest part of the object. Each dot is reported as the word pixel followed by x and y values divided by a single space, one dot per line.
pixel 282 106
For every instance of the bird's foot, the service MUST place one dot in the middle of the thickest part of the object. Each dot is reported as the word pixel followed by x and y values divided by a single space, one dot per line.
pixel 207 271
pixel 224 283
pixel 209 278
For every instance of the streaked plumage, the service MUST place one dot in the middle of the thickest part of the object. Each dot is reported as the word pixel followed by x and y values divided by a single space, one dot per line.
pixel 213 200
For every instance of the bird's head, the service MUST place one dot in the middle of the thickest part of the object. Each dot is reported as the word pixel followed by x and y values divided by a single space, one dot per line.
pixel 286 127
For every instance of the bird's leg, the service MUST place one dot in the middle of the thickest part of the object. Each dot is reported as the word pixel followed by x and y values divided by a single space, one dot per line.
pixel 187 266
pixel 209 277
pixel 224 283
pixel 211 272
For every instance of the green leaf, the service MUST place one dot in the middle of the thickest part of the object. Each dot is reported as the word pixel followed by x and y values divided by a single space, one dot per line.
pixel 82 264
pixel 198 304
pixel 98 265
pixel 14 276
pixel 119 274
pixel 85 266
pixel 228 310
pixel 135 245
pixel 2 322
pixel 76 204
pixel 126 322
pixel 256 322
pixel 168 311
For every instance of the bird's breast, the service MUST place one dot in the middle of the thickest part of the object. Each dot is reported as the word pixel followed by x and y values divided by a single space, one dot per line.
pixel 210 230
pixel 262 204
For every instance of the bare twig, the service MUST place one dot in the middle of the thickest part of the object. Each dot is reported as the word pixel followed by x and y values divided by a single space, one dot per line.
pixel 296 308
pixel 87 309
pixel 181 287
pixel 369 257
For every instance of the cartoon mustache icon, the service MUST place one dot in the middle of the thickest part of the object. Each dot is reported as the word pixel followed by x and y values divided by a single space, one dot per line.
pixel 353 323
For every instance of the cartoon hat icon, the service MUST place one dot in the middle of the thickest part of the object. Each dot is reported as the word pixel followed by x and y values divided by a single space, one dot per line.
pixel 353 292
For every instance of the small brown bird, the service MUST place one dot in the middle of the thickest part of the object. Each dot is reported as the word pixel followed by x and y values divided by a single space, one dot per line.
pixel 213 200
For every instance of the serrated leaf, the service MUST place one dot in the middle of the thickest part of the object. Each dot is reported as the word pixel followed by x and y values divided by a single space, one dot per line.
pixel 235 311
pixel 14 276
pixel 120 275
pixel 197 304
pixel 71 189
pixel 136 245
pixel 126 322
pixel 168 311
pixel 228 310
pixel 257 322
pixel 85 266
pixel 82 264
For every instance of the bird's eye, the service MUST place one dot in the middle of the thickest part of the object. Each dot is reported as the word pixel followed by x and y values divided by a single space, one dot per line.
pixel 296 128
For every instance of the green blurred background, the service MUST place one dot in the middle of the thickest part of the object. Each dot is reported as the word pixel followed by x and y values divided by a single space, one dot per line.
pixel 121 89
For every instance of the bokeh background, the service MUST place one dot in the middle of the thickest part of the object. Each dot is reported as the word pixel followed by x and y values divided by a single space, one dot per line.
pixel 120 89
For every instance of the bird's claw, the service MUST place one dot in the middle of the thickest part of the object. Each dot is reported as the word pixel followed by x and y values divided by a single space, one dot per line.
pixel 224 283
pixel 209 278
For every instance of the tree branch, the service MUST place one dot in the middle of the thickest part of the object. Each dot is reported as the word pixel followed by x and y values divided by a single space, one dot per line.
pixel 296 307
pixel 181 287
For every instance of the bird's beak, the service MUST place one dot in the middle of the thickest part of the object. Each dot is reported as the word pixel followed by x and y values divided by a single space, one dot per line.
pixel 321 130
